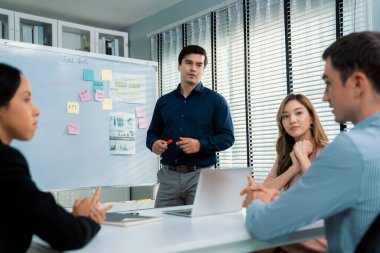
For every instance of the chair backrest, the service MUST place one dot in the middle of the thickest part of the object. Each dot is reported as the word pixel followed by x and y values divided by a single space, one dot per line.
pixel 371 239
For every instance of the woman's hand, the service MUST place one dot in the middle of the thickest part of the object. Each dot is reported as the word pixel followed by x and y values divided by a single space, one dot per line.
pixel 296 167
pixel 82 207
pixel 90 208
pixel 99 214
pixel 303 149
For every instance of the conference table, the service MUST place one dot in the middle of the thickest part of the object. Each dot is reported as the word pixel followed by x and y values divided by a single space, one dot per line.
pixel 215 233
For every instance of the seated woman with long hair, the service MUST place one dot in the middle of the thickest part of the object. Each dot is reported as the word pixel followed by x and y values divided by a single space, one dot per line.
pixel 300 139
pixel 25 210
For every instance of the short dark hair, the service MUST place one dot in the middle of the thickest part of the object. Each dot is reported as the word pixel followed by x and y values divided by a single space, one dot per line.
pixel 9 83
pixel 357 51
pixel 192 49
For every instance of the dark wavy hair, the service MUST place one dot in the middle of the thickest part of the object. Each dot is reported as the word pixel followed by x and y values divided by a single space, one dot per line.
pixel 9 83
pixel 357 51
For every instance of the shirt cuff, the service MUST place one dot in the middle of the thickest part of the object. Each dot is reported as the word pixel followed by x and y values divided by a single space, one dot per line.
pixel 204 144
pixel 252 211
pixel 260 226
pixel 151 144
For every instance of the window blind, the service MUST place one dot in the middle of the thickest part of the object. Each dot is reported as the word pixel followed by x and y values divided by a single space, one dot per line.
pixel 156 56
pixel 230 78
pixel 199 33
pixel 306 51
pixel 263 50
pixel 171 47
pixel 356 18
pixel 266 83
pixel 154 48
pixel 356 15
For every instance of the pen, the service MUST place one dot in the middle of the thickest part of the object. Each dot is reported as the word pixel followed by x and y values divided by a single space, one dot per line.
pixel 168 142
pixel 134 214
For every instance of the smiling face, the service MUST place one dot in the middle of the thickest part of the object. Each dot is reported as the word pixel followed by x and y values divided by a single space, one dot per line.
pixel 192 69
pixel 296 120
pixel 18 119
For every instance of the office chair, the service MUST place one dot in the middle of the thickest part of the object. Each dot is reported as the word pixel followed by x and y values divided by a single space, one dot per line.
pixel 371 239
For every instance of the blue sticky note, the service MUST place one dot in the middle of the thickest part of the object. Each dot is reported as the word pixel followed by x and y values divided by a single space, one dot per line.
pixel 97 85
pixel 88 75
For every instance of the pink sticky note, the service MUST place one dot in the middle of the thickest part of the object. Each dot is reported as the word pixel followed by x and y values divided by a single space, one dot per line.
pixel 140 112
pixel 143 123
pixel 85 95
pixel 99 95
pixel 73 128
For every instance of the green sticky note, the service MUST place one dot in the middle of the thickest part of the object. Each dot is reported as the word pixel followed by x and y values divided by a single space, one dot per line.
pixel 88 75
pixel 97 85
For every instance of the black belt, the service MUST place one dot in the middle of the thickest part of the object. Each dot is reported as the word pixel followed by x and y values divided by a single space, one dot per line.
pixel 184 168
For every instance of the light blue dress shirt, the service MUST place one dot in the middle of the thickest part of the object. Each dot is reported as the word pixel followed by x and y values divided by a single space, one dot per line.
pixel 342 186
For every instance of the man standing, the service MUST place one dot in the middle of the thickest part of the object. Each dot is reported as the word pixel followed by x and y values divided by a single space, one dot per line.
pixel 342 185
pixel 188 126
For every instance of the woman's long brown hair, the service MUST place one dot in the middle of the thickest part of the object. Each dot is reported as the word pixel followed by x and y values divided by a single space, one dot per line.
pixel 285 142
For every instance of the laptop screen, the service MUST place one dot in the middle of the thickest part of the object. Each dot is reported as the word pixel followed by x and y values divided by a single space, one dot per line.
pixel 218 191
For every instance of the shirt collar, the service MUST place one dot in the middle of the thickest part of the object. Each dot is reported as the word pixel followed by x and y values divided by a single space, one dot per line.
pixel 373 119
pixel 199 88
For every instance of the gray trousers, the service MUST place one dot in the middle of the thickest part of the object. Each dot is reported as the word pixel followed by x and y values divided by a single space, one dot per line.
pixel 176 189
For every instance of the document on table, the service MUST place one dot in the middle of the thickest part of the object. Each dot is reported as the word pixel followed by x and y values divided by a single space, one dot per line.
pixel 128 219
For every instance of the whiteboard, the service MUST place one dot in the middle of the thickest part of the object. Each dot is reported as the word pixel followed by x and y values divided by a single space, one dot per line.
pixel 60 161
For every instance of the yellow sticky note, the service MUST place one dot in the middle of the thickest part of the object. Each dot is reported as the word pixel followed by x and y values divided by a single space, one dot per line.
pixel 107 104
pixel 106 75
pixel 143 200
pixel 73 107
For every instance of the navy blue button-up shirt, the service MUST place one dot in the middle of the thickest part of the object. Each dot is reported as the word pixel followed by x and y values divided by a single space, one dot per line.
pixel 204 115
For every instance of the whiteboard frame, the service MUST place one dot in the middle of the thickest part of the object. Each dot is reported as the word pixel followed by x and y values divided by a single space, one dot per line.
pixel 69 52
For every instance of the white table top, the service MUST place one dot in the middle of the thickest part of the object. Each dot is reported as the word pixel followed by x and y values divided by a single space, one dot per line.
pixel 216 233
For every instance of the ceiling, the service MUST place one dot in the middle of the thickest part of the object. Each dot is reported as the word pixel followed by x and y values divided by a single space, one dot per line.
pixel 109 14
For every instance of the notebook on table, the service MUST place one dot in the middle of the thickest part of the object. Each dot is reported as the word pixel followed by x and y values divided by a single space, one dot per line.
pixel 128 219
pixel 218 191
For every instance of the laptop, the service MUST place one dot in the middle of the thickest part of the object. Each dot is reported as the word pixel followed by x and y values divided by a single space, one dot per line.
pixel 217 192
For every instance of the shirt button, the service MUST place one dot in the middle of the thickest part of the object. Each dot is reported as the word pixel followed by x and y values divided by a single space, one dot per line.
pixel 184 101
pixel 180 129
pixel 182 115
pixel 175 160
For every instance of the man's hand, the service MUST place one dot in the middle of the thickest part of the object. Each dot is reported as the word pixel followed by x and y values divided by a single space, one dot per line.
pixel 189 145
pixel 159 147
pixel 253 191
pixel 248 192
pixel 264 194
